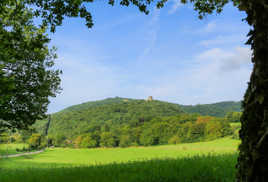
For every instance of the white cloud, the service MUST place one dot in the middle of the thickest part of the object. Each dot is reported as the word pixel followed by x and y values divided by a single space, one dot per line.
pixel 151 35
pixel 221 40
pixel 218 75
pixel 175 6
pixel 226 60
pixel 91 72
pixel 222 28
pixel 210 27
pixel 83 79
pixel 118 22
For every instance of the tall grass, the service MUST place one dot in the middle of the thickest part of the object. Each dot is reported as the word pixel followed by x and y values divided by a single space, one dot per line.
pixel 198 162
pixel 219 168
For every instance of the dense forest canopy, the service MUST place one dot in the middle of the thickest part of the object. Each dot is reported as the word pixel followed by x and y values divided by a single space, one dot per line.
pixel 126 122
pixel 123 122
pixel 219 109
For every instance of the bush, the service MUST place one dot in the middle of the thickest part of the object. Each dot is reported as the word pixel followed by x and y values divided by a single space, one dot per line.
pixel 107 140
pixel 58 140
pixel 85 141
pixel 235 134
pixel 125 141
pixel 78 141
pixel 34 141
pixel 88 142
pixel 4 138
pixel 174 140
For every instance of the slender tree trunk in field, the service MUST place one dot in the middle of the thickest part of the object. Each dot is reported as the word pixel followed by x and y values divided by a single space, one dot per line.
pixel 253 157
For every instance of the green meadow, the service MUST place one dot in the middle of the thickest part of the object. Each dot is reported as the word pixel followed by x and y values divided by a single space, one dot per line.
pixel 201 162
pixel 7 149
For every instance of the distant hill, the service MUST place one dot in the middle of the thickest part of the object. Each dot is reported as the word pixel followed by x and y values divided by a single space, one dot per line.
pixel 86 105
pixel 130 122
pixel 217 109
pixel 112 111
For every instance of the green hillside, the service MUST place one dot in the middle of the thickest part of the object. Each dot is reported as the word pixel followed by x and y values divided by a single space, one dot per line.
pixel 86 105
pixel 129 122
pixel 219 109
pixel 106 113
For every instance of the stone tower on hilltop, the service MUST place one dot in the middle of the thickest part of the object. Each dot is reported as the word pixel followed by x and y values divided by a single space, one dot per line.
pixel 150 98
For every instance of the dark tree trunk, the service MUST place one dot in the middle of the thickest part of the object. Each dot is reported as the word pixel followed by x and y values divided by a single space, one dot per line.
pixel 253 157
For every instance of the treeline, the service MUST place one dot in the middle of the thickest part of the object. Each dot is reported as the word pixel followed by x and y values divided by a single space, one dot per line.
pixel 118 122
pixel 81 119
pixel 184 128
pixel 219 109
pixel 158 131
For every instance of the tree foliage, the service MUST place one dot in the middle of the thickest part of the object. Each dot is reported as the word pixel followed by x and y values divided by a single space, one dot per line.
pixel 219 109
pixel 129 122
pixel 26 75
pixel 34 141
pixel 233 116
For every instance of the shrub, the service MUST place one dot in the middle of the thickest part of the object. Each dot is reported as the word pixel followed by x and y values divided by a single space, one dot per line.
pixel 107 140
pixel 78 141
pixel 88 142
pixel 125 141
pixel 235 134
pixel 34 141
pixel 174 140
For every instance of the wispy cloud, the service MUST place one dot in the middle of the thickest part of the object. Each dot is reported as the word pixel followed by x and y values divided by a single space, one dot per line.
pixel 151 35
pixel 176 4
pixel 226 60
pixel 210 27
pixel 223 40
pixel 222 27
pixel 134 57
pixel 117 22
pixel 217 75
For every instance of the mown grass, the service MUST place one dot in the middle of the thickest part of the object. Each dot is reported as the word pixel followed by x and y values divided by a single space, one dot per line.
pixel 6 149
pixel 201 162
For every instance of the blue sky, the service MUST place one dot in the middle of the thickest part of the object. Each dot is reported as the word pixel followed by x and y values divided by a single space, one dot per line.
pixel 169 54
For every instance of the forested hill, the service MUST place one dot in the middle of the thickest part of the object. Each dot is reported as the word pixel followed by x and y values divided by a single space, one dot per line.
pixel 86 105
pixel 113 111
pixel 129 122
pixel 217 109
pixel 80 118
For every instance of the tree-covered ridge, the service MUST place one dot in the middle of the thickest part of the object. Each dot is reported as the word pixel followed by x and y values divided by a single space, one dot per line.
pixel 86 105
pixel 219 109
pixel 130 122
pixel 81 118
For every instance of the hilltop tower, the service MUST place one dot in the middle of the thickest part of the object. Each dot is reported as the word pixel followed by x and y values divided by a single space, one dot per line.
pixel 150 98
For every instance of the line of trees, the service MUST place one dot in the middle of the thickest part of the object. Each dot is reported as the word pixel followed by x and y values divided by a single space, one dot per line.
pixel 158 131
pixel 184 128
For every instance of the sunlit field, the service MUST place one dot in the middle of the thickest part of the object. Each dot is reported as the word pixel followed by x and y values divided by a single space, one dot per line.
pixel 204 161
pixel 7 149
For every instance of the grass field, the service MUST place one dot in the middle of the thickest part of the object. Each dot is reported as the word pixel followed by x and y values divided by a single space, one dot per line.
pixel 201 162
pixel 6 149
